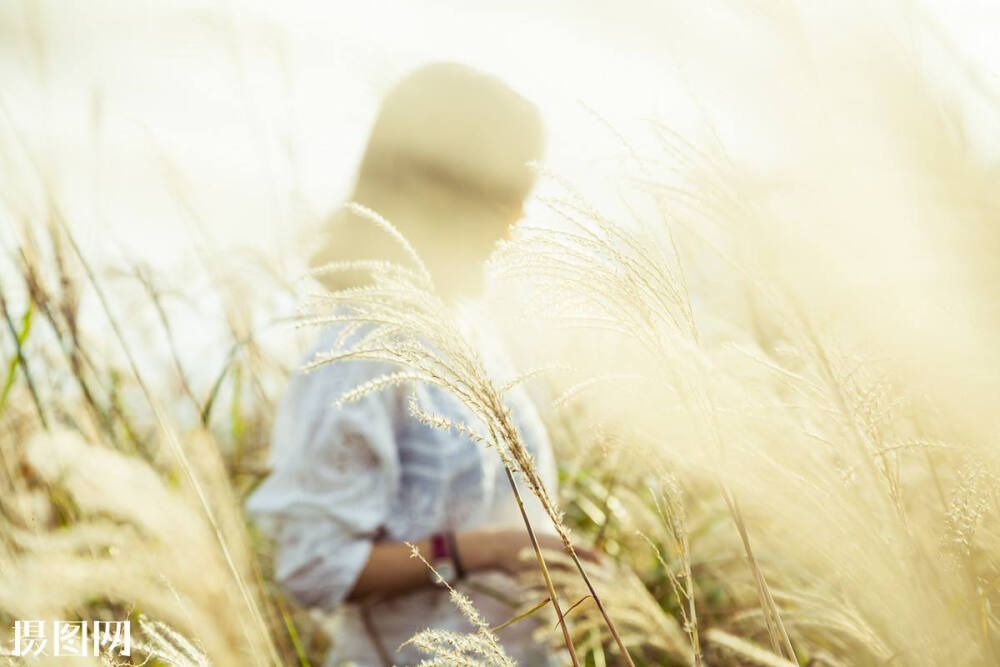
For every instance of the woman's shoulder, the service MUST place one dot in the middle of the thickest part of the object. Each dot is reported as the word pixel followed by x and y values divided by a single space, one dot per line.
pixel 323 359
pixel 316 413
pixel 318 386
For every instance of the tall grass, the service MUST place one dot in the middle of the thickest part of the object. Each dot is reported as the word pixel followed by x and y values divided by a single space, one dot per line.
pixel 819 405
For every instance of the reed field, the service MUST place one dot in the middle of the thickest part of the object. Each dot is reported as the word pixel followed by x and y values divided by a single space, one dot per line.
pixel 768 365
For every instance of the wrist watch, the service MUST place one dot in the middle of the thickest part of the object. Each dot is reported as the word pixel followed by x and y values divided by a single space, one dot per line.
pixel 444 558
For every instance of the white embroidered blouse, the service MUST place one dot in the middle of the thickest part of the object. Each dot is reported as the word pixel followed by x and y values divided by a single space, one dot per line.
pixel 344 477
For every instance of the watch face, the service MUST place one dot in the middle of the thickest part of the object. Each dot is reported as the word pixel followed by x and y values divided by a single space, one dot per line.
pixel 446 569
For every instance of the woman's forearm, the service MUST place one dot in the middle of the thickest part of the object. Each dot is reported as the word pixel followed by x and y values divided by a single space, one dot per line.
pixel 391 569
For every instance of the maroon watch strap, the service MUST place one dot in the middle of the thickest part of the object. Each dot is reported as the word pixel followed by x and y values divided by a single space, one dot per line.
pixel 443 547
pixel 440 548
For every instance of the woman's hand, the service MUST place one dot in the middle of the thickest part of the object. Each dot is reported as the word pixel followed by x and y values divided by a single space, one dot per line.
pixel 510 550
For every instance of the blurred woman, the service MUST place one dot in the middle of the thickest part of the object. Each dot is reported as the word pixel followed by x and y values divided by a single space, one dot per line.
pixel 447 163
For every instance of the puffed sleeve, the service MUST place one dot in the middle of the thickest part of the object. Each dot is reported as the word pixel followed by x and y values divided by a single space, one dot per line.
pixel 335 471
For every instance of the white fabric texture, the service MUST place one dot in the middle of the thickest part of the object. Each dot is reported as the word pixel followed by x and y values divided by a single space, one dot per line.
pixel 344 477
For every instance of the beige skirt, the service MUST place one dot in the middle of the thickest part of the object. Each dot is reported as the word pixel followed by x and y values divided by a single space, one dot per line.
pixel 372 634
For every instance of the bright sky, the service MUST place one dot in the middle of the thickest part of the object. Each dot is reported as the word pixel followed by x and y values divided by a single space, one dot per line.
pixel 255 112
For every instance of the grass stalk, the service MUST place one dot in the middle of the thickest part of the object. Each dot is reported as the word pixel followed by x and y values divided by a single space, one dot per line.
pixel 544 568
pixel 20 359
pixel 600 605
